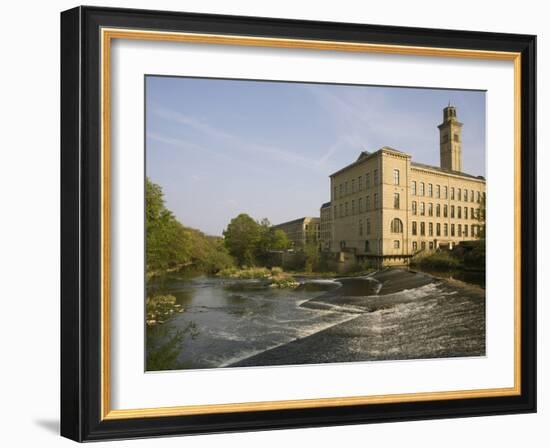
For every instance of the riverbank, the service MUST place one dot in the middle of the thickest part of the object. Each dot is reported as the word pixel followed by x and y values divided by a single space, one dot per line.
pixel 395 314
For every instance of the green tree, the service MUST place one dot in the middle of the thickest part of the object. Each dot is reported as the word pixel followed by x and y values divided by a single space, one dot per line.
pixel 167 242
pixel 170 245
pixel 242 237
pixel 279 240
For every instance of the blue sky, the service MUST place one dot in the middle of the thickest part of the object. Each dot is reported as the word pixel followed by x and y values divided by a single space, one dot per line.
pixel 223 147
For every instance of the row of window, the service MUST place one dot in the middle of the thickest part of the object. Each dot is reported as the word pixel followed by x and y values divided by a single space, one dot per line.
pixel 475 213
pixel 459 212
pixel 458 230
pixel 358 206
pixel 461 194
pixel 355 185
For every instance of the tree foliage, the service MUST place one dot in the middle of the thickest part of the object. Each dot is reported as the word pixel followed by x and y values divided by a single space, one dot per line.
pixel 251 242
pixel 170 245
pixel 242 238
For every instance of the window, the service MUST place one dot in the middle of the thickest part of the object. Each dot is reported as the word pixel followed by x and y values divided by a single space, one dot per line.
pixel 360 205
pixel 430 190
pixel 396 177
pixel 346 208
pixel 422 228
pixel 459 194
pixel 396 200
pixel 431 245
pixel 445 192
pixel 452 193
pixel 360 182
pixel 367 180
pixel 455 136
pixel 445 213
pixel 396 226
pixel 445 229
pixel 414 207
pixel 430 229
pixel 342 244
pixel 334 194
pixel 335 212
pixel 341 190
pixel 477 213
pixel 438 191
pixel 375 200
pixel 360 227
pixel 367 203
pixel 452 211
pixel 421 188
pixel 396 244
pixel 341 210
pixel 466 229
pixel 465 212
pixel 465 195
pixel 423 245
pixel 438 229
pixel 415 246
pixel 471 195
pixel 438 210
pixel 367 246
pixel 459 230
pixel 413 187
pixel 353 185
pixel 459 211
pixel 414 228
pixel 422 209
pixel 430 209
pixel 375 177
pixel 353 206
pixel 452 230
pixel 478 196
pixel 472 213
pixel 368 226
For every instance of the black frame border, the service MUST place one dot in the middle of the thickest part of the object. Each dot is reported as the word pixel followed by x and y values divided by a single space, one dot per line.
pixel 81 223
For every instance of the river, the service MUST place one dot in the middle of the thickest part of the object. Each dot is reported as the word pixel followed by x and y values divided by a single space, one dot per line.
pixel 391 314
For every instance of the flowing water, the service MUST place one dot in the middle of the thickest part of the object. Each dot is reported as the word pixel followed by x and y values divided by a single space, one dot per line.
pixel 392 314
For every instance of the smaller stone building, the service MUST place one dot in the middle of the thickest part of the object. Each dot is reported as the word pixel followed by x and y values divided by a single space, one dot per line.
pixel 325 235
pixel 302 230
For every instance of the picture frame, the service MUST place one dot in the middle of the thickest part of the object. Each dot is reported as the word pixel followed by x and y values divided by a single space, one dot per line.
pixel 86 279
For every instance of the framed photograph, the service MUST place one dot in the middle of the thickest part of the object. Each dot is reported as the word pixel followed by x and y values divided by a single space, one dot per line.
pixel 273 223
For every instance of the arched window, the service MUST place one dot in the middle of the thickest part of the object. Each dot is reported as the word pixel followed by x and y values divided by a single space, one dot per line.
pixel 396 226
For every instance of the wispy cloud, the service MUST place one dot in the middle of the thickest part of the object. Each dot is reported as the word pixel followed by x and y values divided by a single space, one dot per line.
pixel 240 143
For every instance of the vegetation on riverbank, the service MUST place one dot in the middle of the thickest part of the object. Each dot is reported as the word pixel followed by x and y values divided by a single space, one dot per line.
pixel 437 261
pixel 163 347
pixel 170 246
pixel 276 276
pixel 466 262
pixel 159 308
pixel 468 255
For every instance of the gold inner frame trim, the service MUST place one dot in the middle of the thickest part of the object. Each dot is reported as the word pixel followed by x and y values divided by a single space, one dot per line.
pixel 107 35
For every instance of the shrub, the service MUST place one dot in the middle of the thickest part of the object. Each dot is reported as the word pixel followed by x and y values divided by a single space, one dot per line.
pixel 437 261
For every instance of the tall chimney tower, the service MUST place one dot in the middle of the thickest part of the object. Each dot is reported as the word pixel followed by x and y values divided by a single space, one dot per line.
pixel 450 140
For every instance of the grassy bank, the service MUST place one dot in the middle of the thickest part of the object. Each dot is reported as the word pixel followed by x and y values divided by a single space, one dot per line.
pixel 465 265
